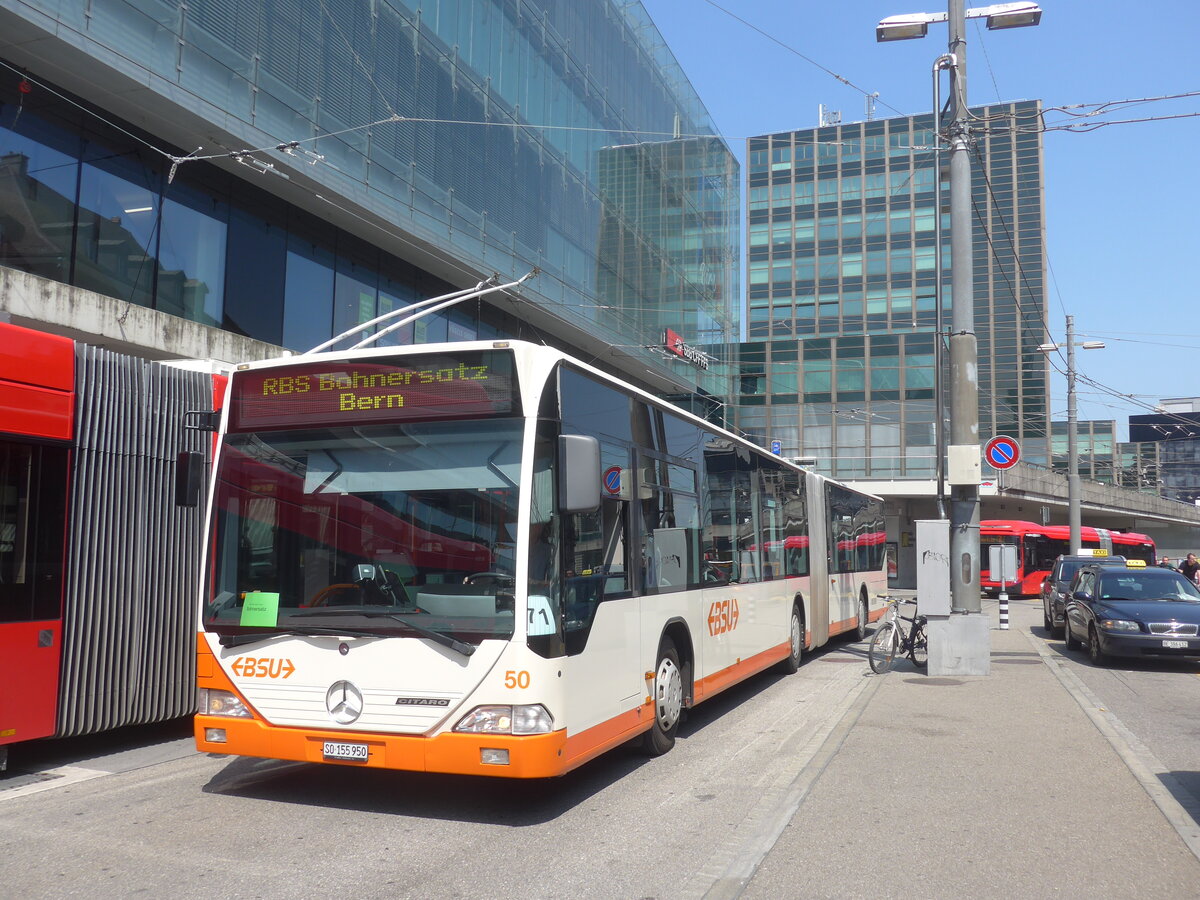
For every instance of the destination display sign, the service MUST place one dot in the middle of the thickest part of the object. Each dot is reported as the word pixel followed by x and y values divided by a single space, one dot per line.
pixel 387 389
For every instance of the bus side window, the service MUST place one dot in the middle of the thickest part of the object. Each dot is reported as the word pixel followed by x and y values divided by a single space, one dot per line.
pixel 595 553
pixel 723 511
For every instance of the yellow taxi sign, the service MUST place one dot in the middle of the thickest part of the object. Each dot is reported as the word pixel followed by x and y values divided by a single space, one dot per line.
pixel 1099 551
pixel 1135 564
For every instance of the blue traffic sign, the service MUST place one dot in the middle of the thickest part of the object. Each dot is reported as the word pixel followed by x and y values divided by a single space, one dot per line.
pixel 777 447
pixel 612 480
pixel 1002 452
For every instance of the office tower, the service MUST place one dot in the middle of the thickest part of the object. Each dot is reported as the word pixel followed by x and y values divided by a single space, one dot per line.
pixel 841 364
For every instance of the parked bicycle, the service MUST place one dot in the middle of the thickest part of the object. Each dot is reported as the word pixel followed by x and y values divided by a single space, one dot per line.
pixel 892 639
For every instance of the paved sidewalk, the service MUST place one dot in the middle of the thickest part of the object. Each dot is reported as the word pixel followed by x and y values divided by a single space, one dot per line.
pixel 996 786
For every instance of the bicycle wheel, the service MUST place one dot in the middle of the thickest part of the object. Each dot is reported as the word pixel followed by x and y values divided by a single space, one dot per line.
pixel 882 652
pixel 918 651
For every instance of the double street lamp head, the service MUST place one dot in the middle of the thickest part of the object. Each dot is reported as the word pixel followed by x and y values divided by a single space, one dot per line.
pixel 1086 345
pixel 916 25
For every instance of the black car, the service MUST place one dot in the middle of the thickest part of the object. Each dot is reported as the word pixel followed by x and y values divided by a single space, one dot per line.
pixel 1133 611
pixel 1057 584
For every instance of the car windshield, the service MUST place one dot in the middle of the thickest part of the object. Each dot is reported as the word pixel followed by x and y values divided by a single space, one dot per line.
pixel 1146 584
pixel 1067 570
pixel 384 529
pixel 1068 567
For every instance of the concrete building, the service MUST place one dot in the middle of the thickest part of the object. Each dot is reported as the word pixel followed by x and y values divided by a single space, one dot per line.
pixel 228 179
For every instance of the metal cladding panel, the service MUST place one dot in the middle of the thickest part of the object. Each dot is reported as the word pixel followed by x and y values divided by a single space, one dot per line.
pixel 129 612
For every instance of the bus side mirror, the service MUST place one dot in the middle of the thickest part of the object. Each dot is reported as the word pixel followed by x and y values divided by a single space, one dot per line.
pixel 189 478
pixel 578 473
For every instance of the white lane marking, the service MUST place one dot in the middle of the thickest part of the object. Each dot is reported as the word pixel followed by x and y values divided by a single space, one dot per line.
pixel 61 777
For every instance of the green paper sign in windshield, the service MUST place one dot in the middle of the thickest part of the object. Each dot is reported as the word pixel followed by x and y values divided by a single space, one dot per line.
pixel 260 608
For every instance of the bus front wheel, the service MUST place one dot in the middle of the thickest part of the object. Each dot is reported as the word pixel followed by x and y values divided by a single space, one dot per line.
pixel 668 700
pixel 791 663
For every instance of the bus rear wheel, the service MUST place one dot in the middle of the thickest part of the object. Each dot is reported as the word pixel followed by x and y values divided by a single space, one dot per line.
pixel 668 700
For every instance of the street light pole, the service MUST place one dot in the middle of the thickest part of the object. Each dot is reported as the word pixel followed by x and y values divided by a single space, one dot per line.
pixel 964 458
pixel 1074 518
pixel 959 631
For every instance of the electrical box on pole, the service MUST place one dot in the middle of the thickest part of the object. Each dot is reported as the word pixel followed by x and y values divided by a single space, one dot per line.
pixel 933 567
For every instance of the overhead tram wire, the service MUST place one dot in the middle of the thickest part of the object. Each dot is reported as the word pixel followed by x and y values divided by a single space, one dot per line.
pixel 1044 326
pixel 807 59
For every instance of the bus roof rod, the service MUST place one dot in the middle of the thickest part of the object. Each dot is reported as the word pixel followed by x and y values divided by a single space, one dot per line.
pixel 350 332
pixel 450 302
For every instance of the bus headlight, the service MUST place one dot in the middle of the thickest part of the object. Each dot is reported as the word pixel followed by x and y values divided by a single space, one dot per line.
pixel 531 719
pixel 222 703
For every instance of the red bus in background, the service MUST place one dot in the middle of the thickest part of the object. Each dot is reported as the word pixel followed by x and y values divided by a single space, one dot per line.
pixel 98 566
pixel 1038 546
pixel 37 428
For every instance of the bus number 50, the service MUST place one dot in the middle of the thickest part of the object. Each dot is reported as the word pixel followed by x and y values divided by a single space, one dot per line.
pixel 516 679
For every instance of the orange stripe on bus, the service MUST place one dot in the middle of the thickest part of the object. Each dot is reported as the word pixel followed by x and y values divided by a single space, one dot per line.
pixel 729 676
pixel 591 742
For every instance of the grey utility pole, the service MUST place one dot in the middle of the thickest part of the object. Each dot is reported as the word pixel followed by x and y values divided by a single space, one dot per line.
pixel 959 636
pixel 1073 516
pixel 964 456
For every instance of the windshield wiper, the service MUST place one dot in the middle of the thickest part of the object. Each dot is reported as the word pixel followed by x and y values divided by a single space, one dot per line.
pixel 439 636
pixel 238 640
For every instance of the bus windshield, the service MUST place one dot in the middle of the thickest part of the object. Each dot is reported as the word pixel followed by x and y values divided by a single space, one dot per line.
pixel 388 529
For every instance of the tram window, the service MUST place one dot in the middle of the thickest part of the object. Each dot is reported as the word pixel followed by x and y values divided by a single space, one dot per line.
pixel 33 492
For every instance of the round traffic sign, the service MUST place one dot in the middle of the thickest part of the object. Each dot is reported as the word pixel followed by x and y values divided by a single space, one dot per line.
pixel 1002 452
pixel 612 479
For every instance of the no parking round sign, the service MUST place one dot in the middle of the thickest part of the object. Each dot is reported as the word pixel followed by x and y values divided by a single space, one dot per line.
pixel 1002 452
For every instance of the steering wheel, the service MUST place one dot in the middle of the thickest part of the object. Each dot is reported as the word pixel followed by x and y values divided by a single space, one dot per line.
pixel 323 596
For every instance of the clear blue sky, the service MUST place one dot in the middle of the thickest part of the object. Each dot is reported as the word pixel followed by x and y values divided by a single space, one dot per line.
pixel 1122 202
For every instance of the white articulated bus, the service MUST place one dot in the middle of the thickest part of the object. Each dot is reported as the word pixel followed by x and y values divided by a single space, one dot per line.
pixel 490 558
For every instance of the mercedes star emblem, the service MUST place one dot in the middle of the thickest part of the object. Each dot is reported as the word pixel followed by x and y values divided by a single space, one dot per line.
pixel 344 702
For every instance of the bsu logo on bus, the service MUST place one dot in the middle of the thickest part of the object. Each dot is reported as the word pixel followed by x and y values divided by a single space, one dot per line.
pixel 722 617
pixel 251 667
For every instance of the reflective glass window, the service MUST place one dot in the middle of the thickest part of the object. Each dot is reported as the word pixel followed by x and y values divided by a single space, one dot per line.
pixel 39 168
pixel 308 295
pixel 191 275
pixel 256 256
pixel 118 225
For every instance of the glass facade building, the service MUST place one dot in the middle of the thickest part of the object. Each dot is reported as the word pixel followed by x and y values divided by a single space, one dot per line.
pixel 842 279
pixel 355 156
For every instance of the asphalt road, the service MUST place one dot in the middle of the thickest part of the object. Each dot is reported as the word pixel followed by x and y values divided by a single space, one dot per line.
pixel 160 819
pixel 140 812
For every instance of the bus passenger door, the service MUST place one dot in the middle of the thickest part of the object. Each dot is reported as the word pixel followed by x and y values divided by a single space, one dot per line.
pixel 822 583
pixel 33 505
pixel 602 624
